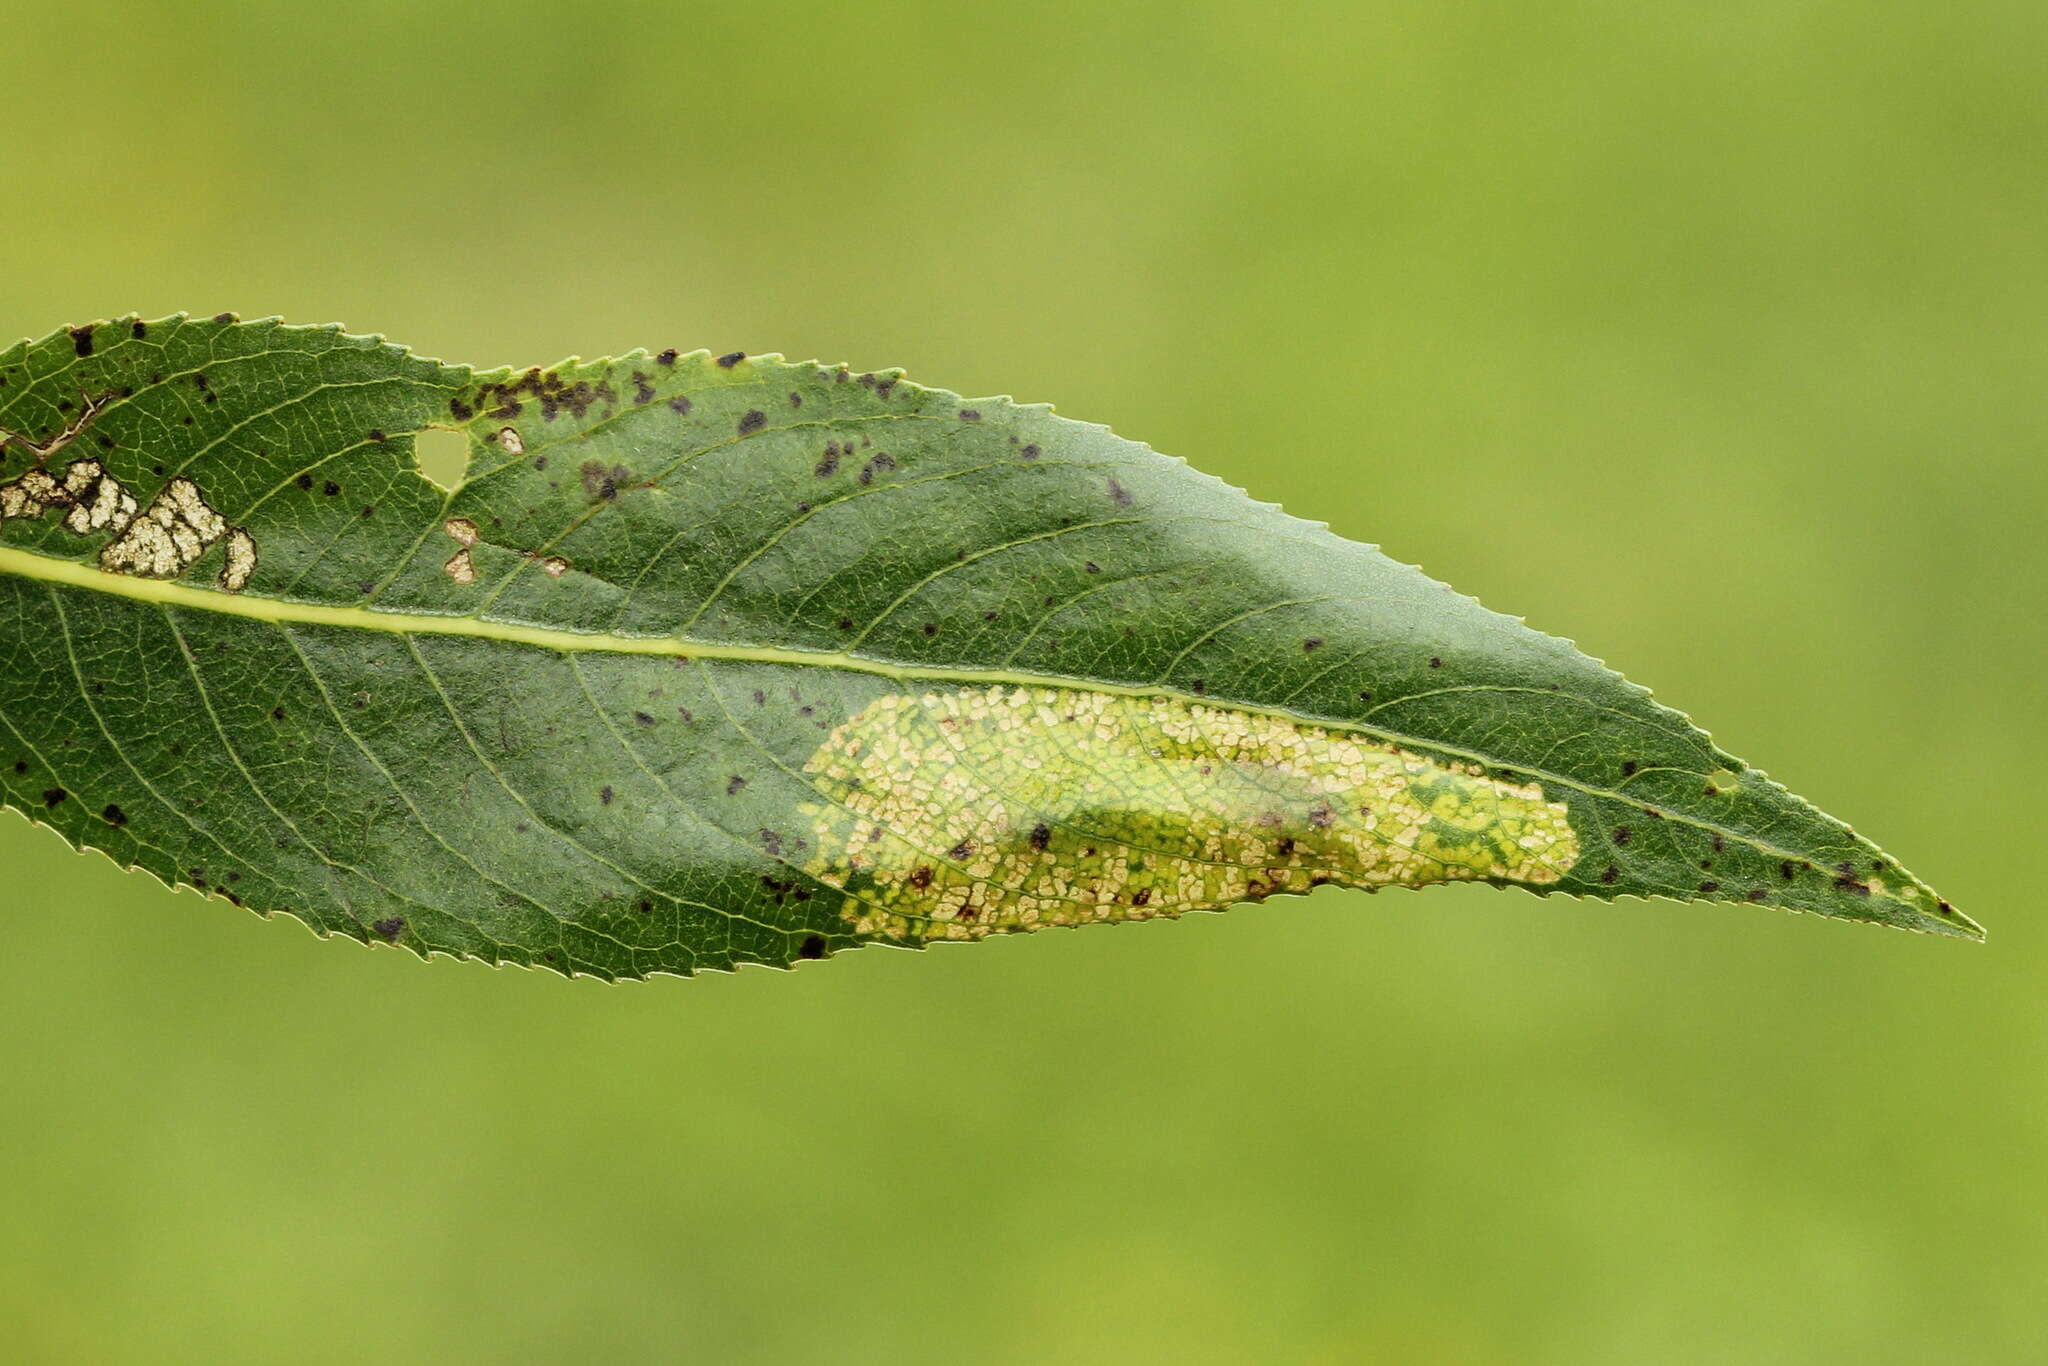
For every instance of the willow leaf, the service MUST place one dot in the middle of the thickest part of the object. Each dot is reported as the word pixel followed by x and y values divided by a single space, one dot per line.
pixel 717 660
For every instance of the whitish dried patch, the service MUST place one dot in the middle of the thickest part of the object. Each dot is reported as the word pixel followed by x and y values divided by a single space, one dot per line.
pixel 954 815
pixel 160 541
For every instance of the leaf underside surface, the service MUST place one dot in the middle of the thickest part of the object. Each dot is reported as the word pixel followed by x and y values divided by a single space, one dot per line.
pixel 716 660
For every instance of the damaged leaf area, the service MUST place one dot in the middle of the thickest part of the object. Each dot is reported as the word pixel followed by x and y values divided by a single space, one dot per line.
pixel 718 659
pixel 962 814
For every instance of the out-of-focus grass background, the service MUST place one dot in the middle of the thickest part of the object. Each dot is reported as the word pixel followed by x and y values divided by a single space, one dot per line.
pixel 1714 336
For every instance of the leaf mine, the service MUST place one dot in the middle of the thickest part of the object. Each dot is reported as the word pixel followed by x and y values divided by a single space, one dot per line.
pixel 961 814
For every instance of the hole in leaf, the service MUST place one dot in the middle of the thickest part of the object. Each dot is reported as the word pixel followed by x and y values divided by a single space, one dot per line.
pixel 443 455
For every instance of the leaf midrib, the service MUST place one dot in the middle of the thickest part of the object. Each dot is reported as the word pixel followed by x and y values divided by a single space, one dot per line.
pixel 168 594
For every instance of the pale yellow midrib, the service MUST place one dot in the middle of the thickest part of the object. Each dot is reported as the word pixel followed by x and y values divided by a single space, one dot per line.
pixel 76 574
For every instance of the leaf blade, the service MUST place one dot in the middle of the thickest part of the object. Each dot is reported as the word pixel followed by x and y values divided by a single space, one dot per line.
pixel 459 664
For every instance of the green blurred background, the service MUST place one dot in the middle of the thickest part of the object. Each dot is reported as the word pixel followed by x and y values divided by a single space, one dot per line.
pixel 1713 336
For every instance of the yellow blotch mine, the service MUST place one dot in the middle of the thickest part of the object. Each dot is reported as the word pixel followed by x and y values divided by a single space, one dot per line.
pixel 956 815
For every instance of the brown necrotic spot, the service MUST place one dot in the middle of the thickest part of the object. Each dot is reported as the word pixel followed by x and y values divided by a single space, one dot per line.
pixel 752 421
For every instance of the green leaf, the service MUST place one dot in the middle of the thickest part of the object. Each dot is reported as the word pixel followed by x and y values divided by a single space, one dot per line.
pixel 718 660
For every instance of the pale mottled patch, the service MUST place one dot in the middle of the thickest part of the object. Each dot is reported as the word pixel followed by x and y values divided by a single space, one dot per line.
pixel 954 815
pixel 160 541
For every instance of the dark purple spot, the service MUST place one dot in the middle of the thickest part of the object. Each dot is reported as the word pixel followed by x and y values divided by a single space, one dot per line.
pixel 753 421
pixel 391 928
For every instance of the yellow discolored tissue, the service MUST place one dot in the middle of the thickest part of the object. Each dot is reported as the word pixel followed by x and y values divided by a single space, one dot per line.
pixel 964 813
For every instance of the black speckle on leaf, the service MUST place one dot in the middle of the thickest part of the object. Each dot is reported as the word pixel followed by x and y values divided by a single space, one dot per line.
pixel 734 784
pixel 330 488
pixel 390 929
pixel 1610 873
pixel 305 481
pixel 54 797
pixel 1622 834
pixel 812 947
pixel 605 795
pixel 114 816
pixel 461 411
pixel 1118 494
pixel 1436 661
pixel 138 329
pixel 81 340
pixel 1710 887
pixel 1628 768
pixel 679 405
pixel 730 359
pixel 970 415
pixel 1311 645
pixel 753 421
pixel 1041 835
